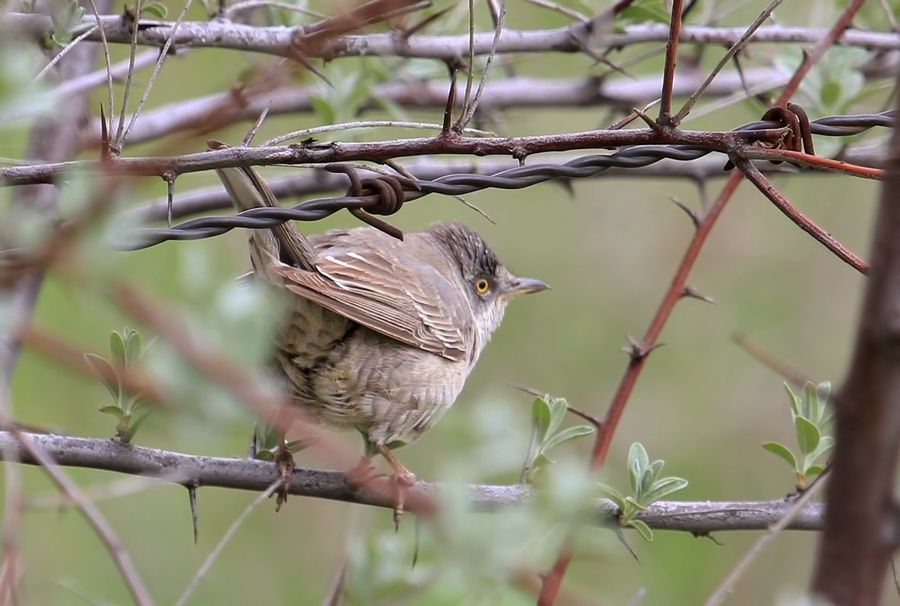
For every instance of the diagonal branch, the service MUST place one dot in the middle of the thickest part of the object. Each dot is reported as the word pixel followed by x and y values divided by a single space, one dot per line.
pixel 800 220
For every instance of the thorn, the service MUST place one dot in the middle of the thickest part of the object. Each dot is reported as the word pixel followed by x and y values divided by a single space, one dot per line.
pixel 451 99
pixel 707 535
pixel 695 218
pixel 417 540
pixel 531 391
pixel 636 350
pixel 621 536
pixel 195 517
pixel 690 293
pixel 658 128
pixel 598 425
pixel 104 135
pixel 170 196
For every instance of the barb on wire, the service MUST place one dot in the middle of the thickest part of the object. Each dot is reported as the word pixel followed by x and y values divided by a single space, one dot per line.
pixel 383 196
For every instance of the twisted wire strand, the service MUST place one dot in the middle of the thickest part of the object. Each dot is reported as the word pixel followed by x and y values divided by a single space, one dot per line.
pixel 458 184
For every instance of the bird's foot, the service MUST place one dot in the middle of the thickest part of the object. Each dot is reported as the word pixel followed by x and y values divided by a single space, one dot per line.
pixel 401 481
pixel 284 461
pixel 362 474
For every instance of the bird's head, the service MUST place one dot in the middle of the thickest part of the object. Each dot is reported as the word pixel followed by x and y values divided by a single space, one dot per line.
pixel 488 285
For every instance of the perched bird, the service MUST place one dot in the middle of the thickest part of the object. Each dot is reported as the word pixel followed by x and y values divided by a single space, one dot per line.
pixel 382 332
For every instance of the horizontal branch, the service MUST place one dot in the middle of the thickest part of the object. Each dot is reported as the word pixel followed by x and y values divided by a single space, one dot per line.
pixel 285 41
pixel 218 110
pixel 698 517
pixel 375 151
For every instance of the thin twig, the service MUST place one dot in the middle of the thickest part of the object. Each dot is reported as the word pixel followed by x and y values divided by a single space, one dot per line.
pixel 469 110
pixel 104 531
pixel 328 128
pixel 562 10
pixel 785 371
pixel 109 70
pixel 120 143
pixel 62 53
pixel 727 585
pixel 799 219
pixel 238 7
pixel 665 104
pixel 734 50
pixel 116 146
pixel 470 72
pixel 232 529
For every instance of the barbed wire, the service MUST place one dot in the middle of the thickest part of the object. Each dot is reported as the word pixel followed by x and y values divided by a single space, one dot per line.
pixel 456 184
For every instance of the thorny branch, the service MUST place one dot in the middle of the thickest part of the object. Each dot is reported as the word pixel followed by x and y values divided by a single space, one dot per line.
pixel 699 517
pixel 283 41
pixel 552 581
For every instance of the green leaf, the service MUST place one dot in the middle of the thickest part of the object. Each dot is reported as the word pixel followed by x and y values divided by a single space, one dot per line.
pixel 807 434
pixel 632 504
pixel 113 410
pixel 638 454
pixel 323 109
pixel 298 445
pixel 656 469
pixel 644 10
pixel 662 488
pixel 540 417
pixel 825 445
pixel 569 433
pixel 558 409
pixel 613 495
pixel 127 435
pixel 117 348
pixel 642 529
pixel 810 402
pixel 106 373
pixel 793 400
pixel 132 345
pixel 814 470
pixel 540 461
pixel 154 9
pixel 781 451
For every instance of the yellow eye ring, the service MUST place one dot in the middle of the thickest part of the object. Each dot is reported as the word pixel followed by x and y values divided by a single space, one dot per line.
pixel 482 285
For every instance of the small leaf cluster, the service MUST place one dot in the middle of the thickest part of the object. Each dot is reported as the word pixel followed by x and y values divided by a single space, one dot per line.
pixel 267 440
pixel 647 487
pixel 812 419
pixel 130 410
pixel 547 413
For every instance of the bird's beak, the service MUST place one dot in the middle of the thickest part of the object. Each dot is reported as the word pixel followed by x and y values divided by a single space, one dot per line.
pixel 524 286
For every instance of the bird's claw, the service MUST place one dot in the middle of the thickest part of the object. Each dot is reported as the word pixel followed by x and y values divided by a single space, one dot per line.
pixel 401 481
pixel 284 461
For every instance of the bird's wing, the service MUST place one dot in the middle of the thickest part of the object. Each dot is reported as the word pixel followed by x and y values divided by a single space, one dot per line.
pixel 389 292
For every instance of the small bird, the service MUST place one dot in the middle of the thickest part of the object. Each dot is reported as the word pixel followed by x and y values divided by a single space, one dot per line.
pixel 382 332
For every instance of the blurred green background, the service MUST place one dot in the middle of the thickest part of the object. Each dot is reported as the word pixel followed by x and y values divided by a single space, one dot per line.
pixel 608 249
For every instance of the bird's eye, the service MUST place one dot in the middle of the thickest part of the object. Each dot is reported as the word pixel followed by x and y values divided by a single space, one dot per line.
pixel 482 285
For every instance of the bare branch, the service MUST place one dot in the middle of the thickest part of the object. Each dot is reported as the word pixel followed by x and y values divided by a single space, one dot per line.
pixel 280 40
pixel 700 517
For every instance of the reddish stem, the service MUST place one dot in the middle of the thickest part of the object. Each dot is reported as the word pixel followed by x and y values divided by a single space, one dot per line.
pixel 800 220
pixel 665 104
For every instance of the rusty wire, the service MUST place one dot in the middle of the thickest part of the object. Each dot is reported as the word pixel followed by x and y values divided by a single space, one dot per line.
pixel 369 195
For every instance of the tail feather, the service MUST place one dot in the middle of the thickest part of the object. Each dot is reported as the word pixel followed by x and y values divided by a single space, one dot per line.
pixel 268 247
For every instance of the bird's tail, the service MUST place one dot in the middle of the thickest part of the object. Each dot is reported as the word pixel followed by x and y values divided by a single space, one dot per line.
pixel 268 247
